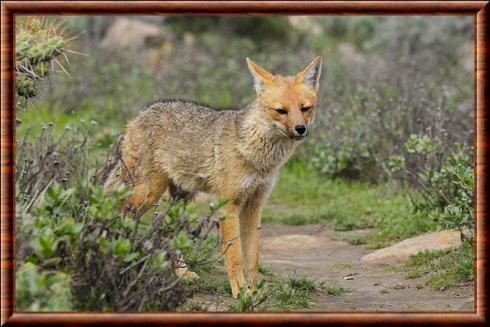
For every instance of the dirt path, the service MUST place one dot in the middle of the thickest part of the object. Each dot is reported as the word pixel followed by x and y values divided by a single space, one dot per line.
pixel 320 253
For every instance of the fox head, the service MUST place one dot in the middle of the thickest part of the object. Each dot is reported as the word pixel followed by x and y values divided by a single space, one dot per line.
pixel 288 102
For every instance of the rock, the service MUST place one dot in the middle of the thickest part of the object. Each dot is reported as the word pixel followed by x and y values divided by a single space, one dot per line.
pixel 133 33
pixel 442 240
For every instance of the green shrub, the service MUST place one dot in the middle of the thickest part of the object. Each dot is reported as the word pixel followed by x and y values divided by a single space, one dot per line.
pixel 445 181
pixel 345 160
pixel 73 240
pixel 38 290
pixel 258 29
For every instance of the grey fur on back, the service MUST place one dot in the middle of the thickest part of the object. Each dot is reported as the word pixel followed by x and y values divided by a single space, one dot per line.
pixel 194 145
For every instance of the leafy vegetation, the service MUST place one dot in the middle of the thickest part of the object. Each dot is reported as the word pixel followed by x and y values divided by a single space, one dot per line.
pixel 445 181
pixel 75 243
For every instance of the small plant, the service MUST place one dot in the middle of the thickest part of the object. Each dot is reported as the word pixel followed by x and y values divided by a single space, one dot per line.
pixel 295 293
pixel 334 290
pixel 208 286
pixel 302 284
pixel 252 300
pixel 265 270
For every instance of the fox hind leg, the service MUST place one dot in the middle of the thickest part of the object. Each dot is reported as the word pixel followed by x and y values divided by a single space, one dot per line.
pixel 147 189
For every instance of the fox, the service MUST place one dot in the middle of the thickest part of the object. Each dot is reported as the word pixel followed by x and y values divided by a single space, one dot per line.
pixel 183 147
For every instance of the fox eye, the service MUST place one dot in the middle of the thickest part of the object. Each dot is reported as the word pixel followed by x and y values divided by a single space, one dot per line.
pixel 305 109
pixel 281 111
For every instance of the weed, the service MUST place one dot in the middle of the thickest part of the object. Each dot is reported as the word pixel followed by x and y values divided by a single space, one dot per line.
pixel 384 291
pixel 265 270
pixel 251 301
pixel 334 289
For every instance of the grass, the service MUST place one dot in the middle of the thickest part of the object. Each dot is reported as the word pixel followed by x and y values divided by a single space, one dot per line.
pixel 303 197
pixel 278 294
pixel 209 285
pixel 302 284
pixel 443 269
pixel 287 298
pixel 266 271
pixel 334 290
pixel 293 294
pixel 41 114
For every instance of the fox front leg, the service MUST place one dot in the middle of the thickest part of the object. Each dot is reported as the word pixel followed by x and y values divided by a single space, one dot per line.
pixel 230 234
pixel 250 216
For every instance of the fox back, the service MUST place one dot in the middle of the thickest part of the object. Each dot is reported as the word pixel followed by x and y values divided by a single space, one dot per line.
pixel 190 147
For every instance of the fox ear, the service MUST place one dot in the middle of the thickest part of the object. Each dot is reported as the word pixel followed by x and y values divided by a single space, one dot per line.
pixel 311 74
pixel 260 75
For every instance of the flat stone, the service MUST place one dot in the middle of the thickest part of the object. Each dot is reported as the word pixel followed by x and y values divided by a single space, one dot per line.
pixel 441 240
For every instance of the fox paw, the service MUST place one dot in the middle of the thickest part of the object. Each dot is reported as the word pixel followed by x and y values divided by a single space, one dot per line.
pixel 186 274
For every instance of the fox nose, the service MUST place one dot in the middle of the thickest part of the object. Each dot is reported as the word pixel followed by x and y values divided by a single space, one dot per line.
pixel 300 129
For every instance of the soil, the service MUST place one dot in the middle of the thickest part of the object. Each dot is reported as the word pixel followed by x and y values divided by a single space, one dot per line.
pixel 320 253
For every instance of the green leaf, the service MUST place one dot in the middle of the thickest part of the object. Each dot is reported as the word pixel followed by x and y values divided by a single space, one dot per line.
pixel 130 257
pixel 122 247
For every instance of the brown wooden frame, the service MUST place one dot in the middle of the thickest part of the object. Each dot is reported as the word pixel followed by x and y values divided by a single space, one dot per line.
pixel 479 9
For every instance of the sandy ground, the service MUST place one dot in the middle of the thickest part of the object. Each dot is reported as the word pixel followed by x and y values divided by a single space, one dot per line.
pixel 317 252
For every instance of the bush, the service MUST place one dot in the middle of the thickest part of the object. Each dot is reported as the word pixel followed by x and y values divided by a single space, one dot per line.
pixel 374 106
pixel 42 290
pixel 125 264
pixel 73 242
pixel 260 30
pixel 386 78
pixel 346 160
pixel 445 181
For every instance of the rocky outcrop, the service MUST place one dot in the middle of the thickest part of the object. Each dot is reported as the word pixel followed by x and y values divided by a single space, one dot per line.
pixel 441 240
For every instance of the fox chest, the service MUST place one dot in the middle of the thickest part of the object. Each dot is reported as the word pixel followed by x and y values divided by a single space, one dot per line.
pixel 247 184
